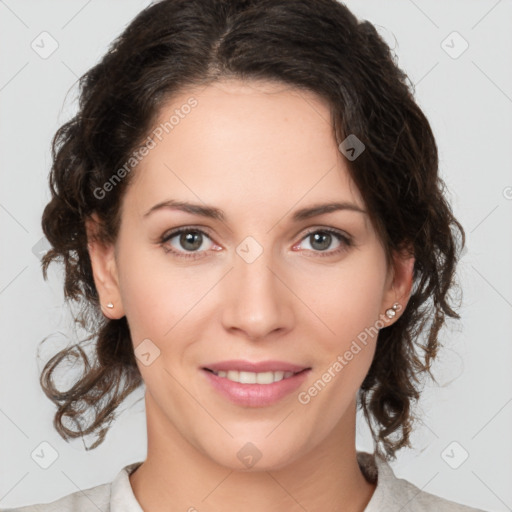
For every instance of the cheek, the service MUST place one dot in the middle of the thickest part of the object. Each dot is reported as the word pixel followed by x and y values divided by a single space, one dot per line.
pixel 345 351
pixel 149 295
pixel 347 298
pixel 160 298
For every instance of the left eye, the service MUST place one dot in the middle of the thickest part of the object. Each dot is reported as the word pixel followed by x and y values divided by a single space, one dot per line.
pixel 321 239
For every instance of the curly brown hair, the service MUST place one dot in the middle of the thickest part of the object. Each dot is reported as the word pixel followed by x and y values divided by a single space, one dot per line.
pixel 317 46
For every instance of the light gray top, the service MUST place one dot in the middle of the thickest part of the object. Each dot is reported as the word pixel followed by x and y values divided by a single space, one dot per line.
pixel 392 494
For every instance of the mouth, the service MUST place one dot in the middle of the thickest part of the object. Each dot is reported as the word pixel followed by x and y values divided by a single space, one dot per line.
pixel 255 389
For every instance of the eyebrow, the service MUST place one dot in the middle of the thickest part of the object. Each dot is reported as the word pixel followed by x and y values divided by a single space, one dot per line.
pixel 218 214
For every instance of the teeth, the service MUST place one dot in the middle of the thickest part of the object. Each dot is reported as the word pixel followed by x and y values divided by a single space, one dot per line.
pixel 254 378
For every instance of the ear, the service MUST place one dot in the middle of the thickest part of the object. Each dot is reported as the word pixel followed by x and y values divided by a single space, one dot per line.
pixel 398 284
pixel 104 269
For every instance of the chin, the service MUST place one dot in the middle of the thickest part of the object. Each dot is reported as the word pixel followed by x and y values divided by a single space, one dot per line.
pixel 247 456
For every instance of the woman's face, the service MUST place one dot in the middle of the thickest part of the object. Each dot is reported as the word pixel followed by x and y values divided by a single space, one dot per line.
pixel 270 281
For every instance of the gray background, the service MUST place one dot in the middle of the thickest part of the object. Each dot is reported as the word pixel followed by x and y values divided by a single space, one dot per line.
pixel 468 100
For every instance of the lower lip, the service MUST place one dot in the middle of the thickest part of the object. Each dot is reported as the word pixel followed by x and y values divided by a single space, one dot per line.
pixel 256 395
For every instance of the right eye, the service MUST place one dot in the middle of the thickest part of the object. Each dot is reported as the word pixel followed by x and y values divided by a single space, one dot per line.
pixel 190 240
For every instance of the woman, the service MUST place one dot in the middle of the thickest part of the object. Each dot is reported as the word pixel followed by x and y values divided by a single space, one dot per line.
pixel 248 207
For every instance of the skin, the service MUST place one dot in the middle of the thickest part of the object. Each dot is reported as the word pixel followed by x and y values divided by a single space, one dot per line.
pixel 259 151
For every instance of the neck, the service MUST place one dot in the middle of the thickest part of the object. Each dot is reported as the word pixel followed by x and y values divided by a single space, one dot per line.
pixel 176 476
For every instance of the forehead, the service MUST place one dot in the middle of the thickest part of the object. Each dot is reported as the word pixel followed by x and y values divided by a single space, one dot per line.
pixel 259 142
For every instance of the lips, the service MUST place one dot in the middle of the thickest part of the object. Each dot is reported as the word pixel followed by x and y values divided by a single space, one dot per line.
pixel 258 394
pixel 255 367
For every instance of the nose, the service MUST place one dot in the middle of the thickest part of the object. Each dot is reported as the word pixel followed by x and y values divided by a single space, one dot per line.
pixel 258 302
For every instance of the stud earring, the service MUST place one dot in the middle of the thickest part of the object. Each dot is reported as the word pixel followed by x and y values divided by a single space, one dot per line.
pixel 110 305
pixel 391 312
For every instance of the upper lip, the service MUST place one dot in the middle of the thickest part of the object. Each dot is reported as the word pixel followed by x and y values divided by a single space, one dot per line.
pixel 256 367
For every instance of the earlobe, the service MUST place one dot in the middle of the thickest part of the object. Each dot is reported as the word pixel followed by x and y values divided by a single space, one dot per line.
pixel 104 270
pixel 400 286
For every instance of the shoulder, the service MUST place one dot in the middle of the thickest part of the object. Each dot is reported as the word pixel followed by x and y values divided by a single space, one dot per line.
pixel 116 496
pixel 394 494
pixel 88 500
pixel 411 498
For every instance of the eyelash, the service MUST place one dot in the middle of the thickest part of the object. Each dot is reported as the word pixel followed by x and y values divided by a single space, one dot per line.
pixel 344 239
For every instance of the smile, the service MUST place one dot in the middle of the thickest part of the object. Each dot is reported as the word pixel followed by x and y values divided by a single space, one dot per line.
pixel 255 389
pixel 252 377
